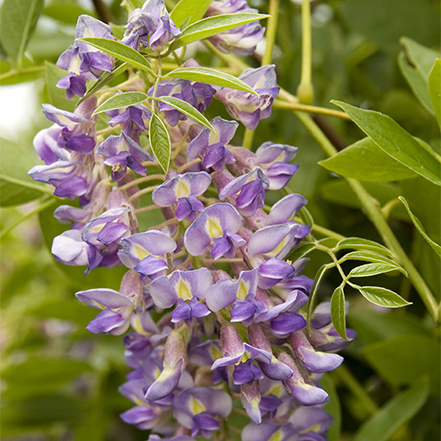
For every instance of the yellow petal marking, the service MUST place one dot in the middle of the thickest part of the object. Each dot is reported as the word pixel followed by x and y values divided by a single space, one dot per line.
pixel 196 406
pixel 214 228
pixel 182 189
pixel 242 292
pixel 139 251
pixel 277 436
pixel 183 289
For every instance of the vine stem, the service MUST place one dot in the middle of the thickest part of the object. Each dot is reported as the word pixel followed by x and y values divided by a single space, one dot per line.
pixel 141 192
pixel 278 104
pixel 305 91
pixel 141 180
pixel 271 30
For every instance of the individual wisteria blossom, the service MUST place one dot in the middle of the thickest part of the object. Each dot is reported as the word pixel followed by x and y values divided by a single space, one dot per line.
pixel 117 306
pixel 216 226
pixel 199 409
pixel 134 119
pixel 122 152
pixel 247 191
pixel 144 252
pixel 82 61
pixel 183 191
pixel 150 26
pixel 246 107
pixel 241 40
pixel 212 146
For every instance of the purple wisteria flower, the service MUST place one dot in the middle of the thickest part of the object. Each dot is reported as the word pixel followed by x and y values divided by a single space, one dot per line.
pixel 144 252
pixel 311 422
pixel 269 431
pixel 183 288
pixel 182 190
pixel 123 152
pixel 217 226
pixel 274 160
pixel 134 119
pixel 117 306
pixel 198 409
pixel 151 25
pixel 82 61
pixel 247 191
pixel 246 107
pixel 212 145
pixel 241 40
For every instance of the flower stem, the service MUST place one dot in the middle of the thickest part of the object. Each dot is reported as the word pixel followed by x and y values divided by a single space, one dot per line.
pixel 141 180
pixel 247 141
pixel 305 91
pixel 311 109
pixel 271 30
pixel 141 192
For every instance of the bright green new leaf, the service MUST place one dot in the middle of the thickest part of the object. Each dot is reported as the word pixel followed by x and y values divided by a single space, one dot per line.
pixel 57 96
pixel 188 110
pixel 160 142
pixel 382 296
pixel 16 186
pixel 214 25
pixel 18 19
pixel 191 10
pixel 357 243
pixel 121 100
pixel 396 412
pixel 365 161
pixel 373 269
pixel 120 51
pixel 435 89
pixel 338 313
pixel 416 80
pixel 106 77
pixel 402 359
pixel 210 76
pixel 367 257
pixel 420 227
pixel 395 141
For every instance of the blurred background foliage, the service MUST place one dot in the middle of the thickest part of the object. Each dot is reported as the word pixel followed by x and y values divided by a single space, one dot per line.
pixel 60 382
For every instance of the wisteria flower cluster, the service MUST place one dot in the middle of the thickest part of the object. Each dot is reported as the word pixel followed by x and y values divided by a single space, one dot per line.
pixel 216 270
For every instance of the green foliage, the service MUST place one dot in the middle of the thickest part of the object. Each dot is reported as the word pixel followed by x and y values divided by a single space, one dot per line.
pixel 57 96
pixel 395 141
pixel 160 142
pixel 189 11
pixel 120 100
pixel 210 76
pixel 18 19
pixel 435 89
pixel 338 315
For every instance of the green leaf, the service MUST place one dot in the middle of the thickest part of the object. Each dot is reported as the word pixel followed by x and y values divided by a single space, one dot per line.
pixel 420 227
pixel 367 257
pixel 421 56
pixel 119 100
pixel 16 186
pixel 160 142
pixel 18 19
pixel 382 296
pixel 188 110
pixel 365 161
pixel 214 25
pixel 372 269
pixel 210 76
pixel 317 280
pixel 435 89
pixel 401 359
pixel 191 10
pixel 120 51
pixel 41 375
pixel 357 243
pixel 395 141
pixel 395 413
pixel 106 77
pixel 57 96
pixel 416 80
pixel 13 76
pixel 338 313
pixel 66 12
